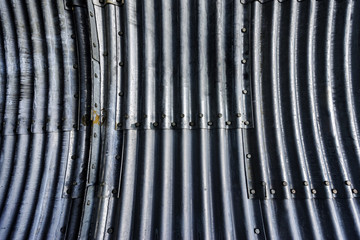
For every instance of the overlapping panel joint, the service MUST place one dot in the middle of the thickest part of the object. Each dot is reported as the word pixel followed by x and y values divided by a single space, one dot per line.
pixel 306 89
pixel 44 113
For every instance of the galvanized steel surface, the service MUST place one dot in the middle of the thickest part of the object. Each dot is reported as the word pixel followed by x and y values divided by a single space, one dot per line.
pixel 179 119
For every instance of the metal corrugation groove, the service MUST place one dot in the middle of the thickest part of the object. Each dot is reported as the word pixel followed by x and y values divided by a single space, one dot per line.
pixel 45 111
pixel 220 119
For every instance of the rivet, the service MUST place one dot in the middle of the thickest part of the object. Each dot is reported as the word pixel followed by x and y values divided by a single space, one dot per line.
pixel 95 135
pixel 119 125
pixel 76 96
pixel 110 230
pixel 201 115
pixel 173 124
pixel 192 124
pixel 262 183
pixel 326 183
pixel 246 122
pixel 72 36
pixel 118 157
pixel 74 183
pixel 126 116
pixel 137 124
pixel 95 104
pixel 93 166
pixel 62 230
pixel 114 191
pixel 355 191
pixel 244 91
pixel 334 191
pixel 121 33
pixel 91 14
pixel 68 191
pixel 347 182
pixel 252 191
pixel 75 66
pixel 305 183
pixel 155 124
pixel 238 115
pixel 272 191
pixel 248 155
pixel 96 75
pixel 163 115
pixel 284 183
pixel 243 61
pixel 121 94
pixel 94 45
pixel 257 231
pixel 228 123
pixel 313 191
pixel 88 202
pixel 219 115
pixel 182 115
pixel 293 191
pixel 73 157
pixel 210 123
pixel 121 64
pixel 243 30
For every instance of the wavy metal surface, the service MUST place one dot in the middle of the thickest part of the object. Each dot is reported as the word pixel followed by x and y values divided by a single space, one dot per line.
pixel 180 119
pixel 45 89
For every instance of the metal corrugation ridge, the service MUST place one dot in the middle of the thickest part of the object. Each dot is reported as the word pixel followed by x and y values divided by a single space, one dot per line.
pixel 44 143
pixel 214 122
pixel 220 119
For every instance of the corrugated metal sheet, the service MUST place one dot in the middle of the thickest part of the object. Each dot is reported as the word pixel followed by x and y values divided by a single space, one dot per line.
pixel 209 119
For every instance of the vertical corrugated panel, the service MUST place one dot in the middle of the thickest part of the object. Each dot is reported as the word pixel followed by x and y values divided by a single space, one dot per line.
pixel 156 119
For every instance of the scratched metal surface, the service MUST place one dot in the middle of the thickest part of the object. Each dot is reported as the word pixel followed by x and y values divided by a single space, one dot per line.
pixel 45 70
pixel 180 119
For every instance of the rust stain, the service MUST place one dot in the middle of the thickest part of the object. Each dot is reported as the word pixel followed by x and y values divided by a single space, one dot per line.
pixel 95 117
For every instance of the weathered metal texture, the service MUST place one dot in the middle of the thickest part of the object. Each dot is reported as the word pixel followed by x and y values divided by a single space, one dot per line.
pixel 44 142
pixel 209 119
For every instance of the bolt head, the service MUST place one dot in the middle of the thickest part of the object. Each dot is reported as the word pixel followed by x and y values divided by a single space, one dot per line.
pixel 243 30
pixel 305 183
pixel 284 183
pixel 355 191
pixel 228 123
pixel 110 230
pixel 272 191
pixel 243 61
pixel 252 191
pixel 210 123
pixel 334 191
pixel 313 191
pixel 246 123
pixel 326 183
pixel 347 182
pixel 248 155
pixel 155 124
pixel 293 191
pixel 257 231
pixel 244 91
pixel 173 124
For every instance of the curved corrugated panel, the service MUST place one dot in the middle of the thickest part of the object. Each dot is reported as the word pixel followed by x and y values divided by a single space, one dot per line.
pixel 220 119
pixel 45 89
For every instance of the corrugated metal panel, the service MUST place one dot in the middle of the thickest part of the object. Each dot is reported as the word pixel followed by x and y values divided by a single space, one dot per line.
pixel 209 119
pixel 44 93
